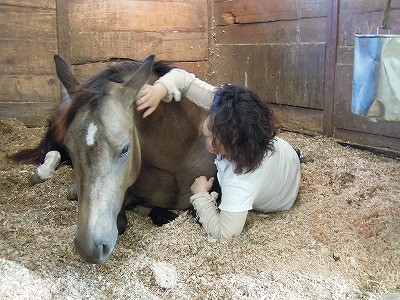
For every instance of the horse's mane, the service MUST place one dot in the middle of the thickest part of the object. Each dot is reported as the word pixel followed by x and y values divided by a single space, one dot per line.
pixel 89 93
pixel 93 90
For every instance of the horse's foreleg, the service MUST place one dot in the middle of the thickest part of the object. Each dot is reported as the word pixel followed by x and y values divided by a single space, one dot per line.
pixel 46 170
pixel 160 216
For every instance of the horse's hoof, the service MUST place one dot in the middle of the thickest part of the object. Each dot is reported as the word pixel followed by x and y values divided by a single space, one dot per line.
pixel 46 170
pixel 160 216
pixel 35 179
pixel 72 195
pixel 303 160
pixel 122 222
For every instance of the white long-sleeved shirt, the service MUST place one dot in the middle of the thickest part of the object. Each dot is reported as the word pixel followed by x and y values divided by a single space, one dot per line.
pixel 271 187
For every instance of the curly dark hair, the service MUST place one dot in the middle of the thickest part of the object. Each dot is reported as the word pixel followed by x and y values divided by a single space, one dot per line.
pixel 243 124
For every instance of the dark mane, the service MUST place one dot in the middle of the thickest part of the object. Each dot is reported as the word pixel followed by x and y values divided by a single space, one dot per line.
pixel 161 68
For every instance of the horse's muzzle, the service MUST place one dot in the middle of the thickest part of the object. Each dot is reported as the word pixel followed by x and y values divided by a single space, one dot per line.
pixel 95 253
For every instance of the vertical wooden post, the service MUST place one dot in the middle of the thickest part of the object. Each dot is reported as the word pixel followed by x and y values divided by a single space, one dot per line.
pixel 63 35
pixel 330 65
pixel 211 32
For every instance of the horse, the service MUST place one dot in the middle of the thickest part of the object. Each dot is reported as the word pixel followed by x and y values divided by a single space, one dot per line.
pixel 121 159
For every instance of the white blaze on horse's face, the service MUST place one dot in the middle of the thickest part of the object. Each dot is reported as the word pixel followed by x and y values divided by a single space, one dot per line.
pixel 90 135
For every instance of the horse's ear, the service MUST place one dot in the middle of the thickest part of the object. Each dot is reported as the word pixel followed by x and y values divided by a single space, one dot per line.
pixel 140 77
pixel 64 74
pixel 65 96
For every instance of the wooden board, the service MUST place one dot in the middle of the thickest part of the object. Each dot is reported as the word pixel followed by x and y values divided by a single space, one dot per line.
pixel 306 121
pixel 380 144
pixel 173 30
pixel 32 114
pixel 29 88
pixel 289 74
pixel 292 31
pixel 90 31
pixel 364 23
pixel 145 16
pixel 255 11
pixel 277 49
pixel 171 46
pixel 30 3
pixel 363 6
pixel 28 84
pixel 28 40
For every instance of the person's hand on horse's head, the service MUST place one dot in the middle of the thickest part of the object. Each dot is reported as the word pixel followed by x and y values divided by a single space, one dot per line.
pixel 149 97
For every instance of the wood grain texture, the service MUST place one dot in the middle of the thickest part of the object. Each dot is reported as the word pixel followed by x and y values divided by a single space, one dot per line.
pixel 171 46
pixel 306 121
pixel 32 114
pixel 289 74
pixel 30 3
pixel 28 40
pixel 290 31
pixel 255 11
pixel 147 16
pixel 173 30
pixel 25 88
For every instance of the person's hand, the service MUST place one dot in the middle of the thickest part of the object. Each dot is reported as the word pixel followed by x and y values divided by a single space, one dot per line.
pixel 149 98
pixel 202 184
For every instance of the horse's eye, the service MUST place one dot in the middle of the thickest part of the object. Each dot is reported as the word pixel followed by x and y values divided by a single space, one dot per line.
pixel 124 150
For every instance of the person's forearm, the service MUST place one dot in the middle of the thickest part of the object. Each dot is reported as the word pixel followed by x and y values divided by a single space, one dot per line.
pixel 218 224
pixel 179 82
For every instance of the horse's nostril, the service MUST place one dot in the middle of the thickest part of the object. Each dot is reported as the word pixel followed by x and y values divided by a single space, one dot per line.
pixel 94 253
pixel 106 249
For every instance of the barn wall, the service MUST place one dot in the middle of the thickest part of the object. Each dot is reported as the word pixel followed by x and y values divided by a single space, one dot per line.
pixel 28 39
pixel 276 48
pixel 298 54
pixel 88 34
pixel 359 16
pixel 175 31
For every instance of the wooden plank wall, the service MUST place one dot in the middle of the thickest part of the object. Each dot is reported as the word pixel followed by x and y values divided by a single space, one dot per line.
pixel 360 16
pixel 277 49
pixel 298 54
pixel 87 34
pixel 175 31
pixel 28 38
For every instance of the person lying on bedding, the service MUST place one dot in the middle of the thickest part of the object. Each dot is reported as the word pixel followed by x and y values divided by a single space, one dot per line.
pixel 255 168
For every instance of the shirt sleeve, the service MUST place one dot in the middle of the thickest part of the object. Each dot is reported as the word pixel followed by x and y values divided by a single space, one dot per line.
pixel 179 82
pixel 237 196
pixel 217 223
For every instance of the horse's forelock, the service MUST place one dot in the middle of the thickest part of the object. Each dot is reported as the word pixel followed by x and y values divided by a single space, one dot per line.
pixel 91 92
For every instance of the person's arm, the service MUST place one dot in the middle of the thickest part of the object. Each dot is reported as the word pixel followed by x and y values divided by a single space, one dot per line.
pixel 220 224
pixel 174 84
pixel 217 223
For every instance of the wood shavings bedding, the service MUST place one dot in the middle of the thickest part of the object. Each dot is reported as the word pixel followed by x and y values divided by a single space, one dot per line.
pixel 341 240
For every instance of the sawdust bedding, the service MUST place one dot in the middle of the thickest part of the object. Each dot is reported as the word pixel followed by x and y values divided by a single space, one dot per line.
pixel 341 240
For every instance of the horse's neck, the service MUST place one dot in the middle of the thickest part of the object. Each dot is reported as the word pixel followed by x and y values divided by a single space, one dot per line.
pixel 170 131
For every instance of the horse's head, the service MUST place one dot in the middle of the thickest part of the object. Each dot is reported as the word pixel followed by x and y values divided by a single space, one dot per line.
pixel 95 121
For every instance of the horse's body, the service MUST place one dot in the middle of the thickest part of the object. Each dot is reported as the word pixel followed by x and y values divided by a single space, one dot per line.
pixel 119 157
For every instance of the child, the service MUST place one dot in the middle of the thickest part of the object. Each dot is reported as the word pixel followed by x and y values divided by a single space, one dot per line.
pixel 255 169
